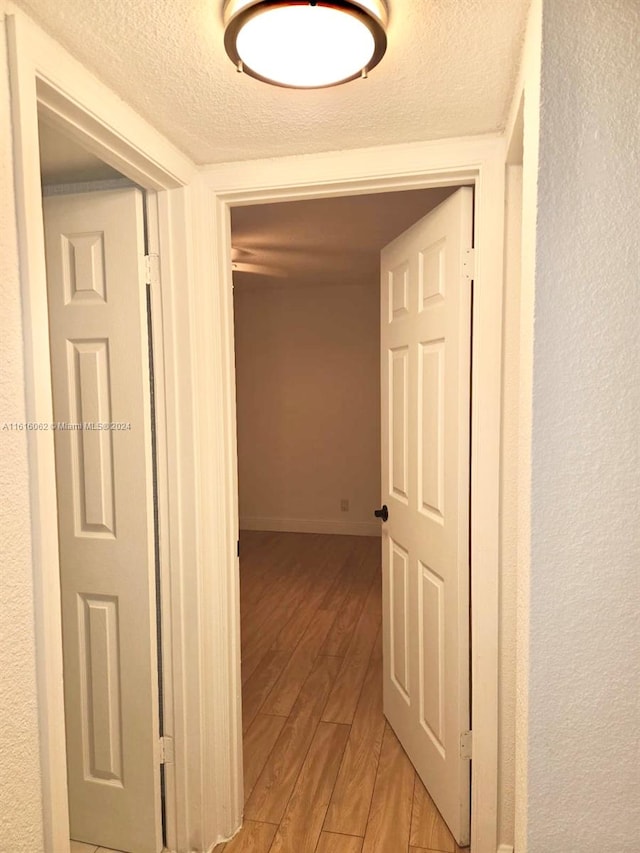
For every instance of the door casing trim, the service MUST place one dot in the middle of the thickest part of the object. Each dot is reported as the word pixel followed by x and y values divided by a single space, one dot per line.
pixel 479 161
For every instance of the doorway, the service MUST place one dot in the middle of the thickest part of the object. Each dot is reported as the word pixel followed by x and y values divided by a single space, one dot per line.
pixel 96 228
pixel 344 173
pixel 307 324
pixel 47 86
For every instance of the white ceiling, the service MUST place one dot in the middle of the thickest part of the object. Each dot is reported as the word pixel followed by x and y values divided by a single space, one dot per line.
pixel 331 241
pixel 449 71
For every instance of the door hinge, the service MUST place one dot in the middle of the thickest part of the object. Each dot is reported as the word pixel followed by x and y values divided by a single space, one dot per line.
pixel 166 750
pixel 152 269
pixel 466 745
pixel 469 264
pixel 238 548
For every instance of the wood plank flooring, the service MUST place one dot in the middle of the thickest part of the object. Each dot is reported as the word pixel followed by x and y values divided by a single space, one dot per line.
pixel 323 771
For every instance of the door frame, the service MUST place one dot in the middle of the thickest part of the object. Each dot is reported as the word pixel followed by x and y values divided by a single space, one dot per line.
pixel 479 161
pixel 45 79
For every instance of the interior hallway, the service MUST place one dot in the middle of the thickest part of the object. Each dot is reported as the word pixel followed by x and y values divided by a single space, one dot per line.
pixel 323 772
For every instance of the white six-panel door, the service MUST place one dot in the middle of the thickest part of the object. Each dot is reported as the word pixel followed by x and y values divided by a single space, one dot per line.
pixel 425 336
pixel 100 377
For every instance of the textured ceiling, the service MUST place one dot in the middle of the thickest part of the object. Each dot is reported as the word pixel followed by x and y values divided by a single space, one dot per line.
pixel 331 241
pixel 449 70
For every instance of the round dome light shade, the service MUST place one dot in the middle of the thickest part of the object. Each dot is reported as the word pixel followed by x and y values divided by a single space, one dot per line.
pixel 304 45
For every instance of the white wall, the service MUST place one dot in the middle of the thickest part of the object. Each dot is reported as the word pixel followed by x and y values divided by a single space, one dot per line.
pixel 578 771
pixel 21 828
pixel 308 396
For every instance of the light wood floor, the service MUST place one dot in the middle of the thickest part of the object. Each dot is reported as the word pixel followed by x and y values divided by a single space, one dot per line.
pixel 81 847
pixel 323 771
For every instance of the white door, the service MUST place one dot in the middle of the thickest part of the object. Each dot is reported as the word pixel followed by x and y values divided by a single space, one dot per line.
pixel 426 337
pixel 100 376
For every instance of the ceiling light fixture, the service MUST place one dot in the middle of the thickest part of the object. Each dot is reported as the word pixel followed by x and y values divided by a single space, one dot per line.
pixel 302 44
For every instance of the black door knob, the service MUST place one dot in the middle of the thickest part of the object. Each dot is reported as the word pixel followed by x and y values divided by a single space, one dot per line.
pixel 382 513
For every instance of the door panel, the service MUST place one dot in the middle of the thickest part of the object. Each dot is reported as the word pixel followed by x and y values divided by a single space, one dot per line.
pixel 91 451
pixel 425 337
pixel 398 398
pixel 100 376
pixel 399 610
pixel 99 673
pixel 432 665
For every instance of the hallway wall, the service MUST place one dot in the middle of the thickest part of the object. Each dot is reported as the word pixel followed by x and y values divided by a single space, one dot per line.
pixel 21 829
pixel 308 396
pixel 578 665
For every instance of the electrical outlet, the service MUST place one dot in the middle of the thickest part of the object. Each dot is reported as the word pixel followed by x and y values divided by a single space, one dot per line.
pixel 344 505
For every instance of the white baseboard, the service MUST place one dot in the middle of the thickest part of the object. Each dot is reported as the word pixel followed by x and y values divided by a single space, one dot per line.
pixel 312 525
pixel 505 848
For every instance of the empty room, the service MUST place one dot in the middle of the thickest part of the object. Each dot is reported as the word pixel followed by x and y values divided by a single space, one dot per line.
pixel 323 770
